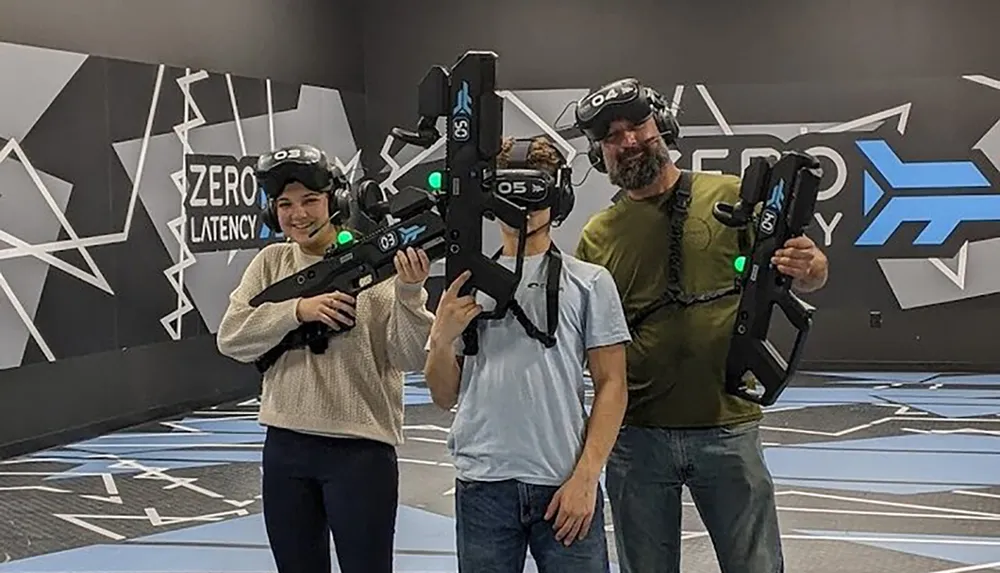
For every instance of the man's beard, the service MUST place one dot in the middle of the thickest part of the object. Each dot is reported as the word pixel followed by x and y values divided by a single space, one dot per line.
pixel 639 167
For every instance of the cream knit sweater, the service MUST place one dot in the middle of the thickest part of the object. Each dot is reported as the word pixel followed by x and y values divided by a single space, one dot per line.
pixel 355 388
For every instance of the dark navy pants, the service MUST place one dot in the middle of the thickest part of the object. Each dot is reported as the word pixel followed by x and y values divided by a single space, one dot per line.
pixel 314 486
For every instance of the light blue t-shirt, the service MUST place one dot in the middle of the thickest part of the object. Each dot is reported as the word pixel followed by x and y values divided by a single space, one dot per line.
pixel 521 411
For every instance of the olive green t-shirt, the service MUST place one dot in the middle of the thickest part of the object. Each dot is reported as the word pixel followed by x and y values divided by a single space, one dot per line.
pixel 677 359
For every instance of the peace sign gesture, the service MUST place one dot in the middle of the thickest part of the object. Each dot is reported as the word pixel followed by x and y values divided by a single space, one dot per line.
pixel 454 313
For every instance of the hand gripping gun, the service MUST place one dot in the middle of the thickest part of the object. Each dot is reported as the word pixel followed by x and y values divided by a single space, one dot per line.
pixel 354 265
pixel 784 192
pixel 466 96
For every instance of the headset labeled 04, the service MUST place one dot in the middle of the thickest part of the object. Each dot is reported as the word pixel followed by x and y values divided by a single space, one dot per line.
pixel 307 165
pixel 624 99
pixel 535 189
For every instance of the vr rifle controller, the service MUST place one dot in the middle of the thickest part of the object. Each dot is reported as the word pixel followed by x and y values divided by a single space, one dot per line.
pixel 466 96
pixel 784 192
pixel 353 266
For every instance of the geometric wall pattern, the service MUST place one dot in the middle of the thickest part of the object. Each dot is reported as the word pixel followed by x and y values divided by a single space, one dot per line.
pixel 92 190
pixel 967 269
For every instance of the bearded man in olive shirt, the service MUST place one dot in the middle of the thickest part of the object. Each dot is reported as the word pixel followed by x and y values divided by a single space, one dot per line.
pixel 681 426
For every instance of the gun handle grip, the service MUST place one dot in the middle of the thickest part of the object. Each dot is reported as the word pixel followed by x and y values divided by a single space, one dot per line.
pixel 773 372
pixel 490 277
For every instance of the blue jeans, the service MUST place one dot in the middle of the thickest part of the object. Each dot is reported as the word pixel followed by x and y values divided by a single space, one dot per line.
pixel 731 486
pixel 498 522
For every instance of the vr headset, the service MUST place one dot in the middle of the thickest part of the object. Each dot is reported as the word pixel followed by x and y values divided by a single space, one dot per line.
pixel 535 189
pixel 309 166
pixel 624 99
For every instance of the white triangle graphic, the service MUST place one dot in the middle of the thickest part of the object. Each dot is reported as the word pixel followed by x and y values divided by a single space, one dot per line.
pixel 956 276
pixel 903 111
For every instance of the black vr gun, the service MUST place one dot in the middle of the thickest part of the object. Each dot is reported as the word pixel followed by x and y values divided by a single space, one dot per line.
pixel 788 189
pixel 466 96
pixel 353 266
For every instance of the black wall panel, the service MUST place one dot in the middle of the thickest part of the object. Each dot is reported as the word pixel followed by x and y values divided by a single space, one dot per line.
pixel 769 66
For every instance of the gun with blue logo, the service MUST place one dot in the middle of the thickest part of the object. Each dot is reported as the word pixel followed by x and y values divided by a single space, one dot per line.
pixel 352 265
pixel 466 96
pixel 778 198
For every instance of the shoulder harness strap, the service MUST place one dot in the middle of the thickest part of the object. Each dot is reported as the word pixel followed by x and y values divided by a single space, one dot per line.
pixel 678 203
pixel 553 279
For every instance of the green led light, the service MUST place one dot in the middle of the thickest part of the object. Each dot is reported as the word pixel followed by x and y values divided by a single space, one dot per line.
pixel 740 263
pixel 344 237
pixel 434 180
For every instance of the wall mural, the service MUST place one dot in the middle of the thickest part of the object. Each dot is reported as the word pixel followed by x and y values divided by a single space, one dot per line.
pixel 105 244
pixel 100 240
pixel 924 205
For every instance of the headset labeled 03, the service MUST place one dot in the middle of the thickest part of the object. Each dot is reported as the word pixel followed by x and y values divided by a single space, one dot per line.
pixel 309 166
pixel 533 188
pixel 624 99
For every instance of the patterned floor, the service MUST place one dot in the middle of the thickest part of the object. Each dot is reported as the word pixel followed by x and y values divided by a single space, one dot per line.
pixel 875 471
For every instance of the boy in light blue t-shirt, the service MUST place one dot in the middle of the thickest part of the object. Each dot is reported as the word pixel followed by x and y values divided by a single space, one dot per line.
pixel 527 456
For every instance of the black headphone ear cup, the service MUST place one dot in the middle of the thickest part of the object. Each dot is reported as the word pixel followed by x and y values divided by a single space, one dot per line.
pixel 666 123
pixel 596 157
pixel 565 198
pixel 338 182
pixel 668 126
pixel 269 217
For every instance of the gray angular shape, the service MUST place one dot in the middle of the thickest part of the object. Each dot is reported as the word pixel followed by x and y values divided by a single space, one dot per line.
pixel 989 144
pixel 25 215
pixel 32 78
pixel 320 118
pixel 917 282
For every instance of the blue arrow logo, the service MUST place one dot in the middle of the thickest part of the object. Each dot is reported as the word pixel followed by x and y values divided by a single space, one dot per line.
pixel 777 196
pixel 942 213
pixel 463 101
pixel 409 234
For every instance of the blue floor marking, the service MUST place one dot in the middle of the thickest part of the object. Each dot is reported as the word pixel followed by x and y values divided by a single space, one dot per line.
pixel 946 402
pixel 189 551
pixel 968 379
pixel 109 467
pixel 865 486
pixel 907 464
pixel 965 550
pixel 881 465
pixel 916 443
pixel 126 443
pixel 221 425
pixel 881 377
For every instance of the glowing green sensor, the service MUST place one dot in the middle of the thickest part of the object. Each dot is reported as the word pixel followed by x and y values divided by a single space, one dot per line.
pixel 344 237
pixel 740 263
pixel 434 180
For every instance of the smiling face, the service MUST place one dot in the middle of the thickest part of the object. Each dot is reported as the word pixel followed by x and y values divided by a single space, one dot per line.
pixel 301 211
pixel 635 154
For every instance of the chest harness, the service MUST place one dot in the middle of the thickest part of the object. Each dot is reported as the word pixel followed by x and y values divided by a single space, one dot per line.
pixel 677 209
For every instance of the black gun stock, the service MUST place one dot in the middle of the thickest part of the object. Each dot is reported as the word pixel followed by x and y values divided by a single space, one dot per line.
pixel 357 266
pixel 784 192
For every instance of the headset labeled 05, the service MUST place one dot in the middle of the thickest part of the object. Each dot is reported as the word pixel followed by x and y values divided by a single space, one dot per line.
pixel 625 99
pixel 535 189
pixel 309 166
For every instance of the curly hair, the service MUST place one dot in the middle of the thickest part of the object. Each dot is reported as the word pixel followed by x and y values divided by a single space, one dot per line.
pixel 542 154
